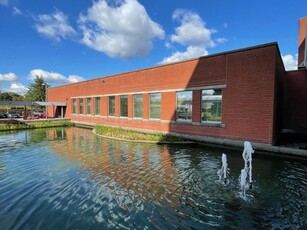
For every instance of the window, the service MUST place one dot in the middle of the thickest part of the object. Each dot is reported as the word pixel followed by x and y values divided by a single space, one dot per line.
pixel 80 105
pixel 138 106
pixel 97 105
pixel 124 106
pixel 74 106
pixel 155 106
pixel 111 105
pixel 184 106
pixel 88 105
pixel 211 106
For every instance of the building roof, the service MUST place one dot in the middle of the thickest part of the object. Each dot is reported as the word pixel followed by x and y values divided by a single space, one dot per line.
pixel 32 103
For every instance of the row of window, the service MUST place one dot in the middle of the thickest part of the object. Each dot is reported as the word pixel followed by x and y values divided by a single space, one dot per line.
pixel 211 110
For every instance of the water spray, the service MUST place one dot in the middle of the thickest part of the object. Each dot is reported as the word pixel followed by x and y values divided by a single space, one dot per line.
pixel 222 173
pixel 246 173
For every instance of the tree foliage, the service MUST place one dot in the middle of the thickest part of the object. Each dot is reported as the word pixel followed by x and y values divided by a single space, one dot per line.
pixel 37 90
pixel 5 97
pixel 9 96
pixel 16 97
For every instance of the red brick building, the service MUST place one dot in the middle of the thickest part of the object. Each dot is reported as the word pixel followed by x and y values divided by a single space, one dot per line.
pixel 238 95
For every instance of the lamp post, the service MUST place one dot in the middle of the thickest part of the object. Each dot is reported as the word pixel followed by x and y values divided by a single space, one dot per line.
pixel 46 107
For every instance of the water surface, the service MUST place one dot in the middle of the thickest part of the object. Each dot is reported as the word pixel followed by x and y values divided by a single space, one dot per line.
pixel 71 179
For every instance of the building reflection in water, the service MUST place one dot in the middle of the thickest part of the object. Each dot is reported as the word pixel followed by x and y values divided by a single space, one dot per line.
pixel 145 170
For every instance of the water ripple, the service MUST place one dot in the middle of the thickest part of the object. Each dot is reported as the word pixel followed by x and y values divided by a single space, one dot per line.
pixel 70 179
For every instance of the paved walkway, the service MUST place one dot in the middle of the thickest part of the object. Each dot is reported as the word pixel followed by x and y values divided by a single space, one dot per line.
pixel 281 151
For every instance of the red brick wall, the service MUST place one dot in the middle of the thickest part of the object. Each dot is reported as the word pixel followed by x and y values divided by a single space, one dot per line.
pixel 168 106
pixel 146 106
pixel 248 99
pixel 246 76
pixel 196 112
pixel 130 108
pixel 249 96
pixel 104 106
pixel 279 103
pixel 296 99
pixel 302 29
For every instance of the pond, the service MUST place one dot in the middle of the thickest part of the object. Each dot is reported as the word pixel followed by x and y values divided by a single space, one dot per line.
pixel 68 178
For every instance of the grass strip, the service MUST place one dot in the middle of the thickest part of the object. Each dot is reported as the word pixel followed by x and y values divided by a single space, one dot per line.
pixel 135 135
pixel 44 124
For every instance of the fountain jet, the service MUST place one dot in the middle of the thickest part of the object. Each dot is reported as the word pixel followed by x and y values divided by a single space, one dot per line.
pixel 247 156
pixel 222 173
pixel 246 173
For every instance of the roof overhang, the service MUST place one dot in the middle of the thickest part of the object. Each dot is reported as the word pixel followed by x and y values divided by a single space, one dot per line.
pixel 32 103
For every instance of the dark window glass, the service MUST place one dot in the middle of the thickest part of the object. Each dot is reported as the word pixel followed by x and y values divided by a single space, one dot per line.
pixel 74 106
pixel 111 105
pixel 97 105
pixel 88 105
pixel 184 106
pixel 138 106
pixel 80 105
pixel 155 106
pixel 211 106
pixel 124 106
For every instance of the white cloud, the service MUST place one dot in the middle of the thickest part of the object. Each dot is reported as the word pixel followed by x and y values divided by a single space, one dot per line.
pixel 14 87
pixel 221 40
pixel 290 62
pixel 8 77
pixel 121 30
pixel 53 77
pixel 54 26
pixel 16 11
pixel 192 31
pixel 4 2
pixel 74 78
pixel 18 88
pixel 191 52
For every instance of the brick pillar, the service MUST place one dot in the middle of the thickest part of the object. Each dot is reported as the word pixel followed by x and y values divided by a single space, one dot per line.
pixel 196 114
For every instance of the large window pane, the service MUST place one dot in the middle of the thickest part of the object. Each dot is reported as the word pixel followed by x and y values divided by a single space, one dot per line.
pixel 124 106
pixel 97 105
pixel 211 106
pixel 155 106
pixel 138 106
pixel 88 105
pixel 80 105
pixel 74 106
pixel 184 106
pixel 111 105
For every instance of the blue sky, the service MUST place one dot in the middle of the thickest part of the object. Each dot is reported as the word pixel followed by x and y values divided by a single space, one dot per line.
pixel 67 41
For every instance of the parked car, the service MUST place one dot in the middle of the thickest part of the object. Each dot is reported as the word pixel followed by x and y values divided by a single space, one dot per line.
pixel 40 113
pixel 37 115
pixel 32 116
pixel 3 115
pixel 13 114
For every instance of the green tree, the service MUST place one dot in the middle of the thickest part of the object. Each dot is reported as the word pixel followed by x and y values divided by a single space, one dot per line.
pixel 16 97
pixel 37 90
pixel 5 97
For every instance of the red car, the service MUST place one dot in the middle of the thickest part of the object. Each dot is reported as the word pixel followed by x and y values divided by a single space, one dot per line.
pixel 37 115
